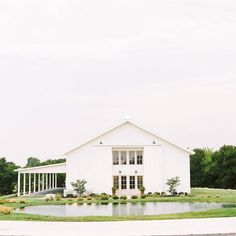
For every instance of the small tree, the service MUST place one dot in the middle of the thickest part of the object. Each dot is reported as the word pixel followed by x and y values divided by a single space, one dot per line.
pixel 79 186
pixel 173 183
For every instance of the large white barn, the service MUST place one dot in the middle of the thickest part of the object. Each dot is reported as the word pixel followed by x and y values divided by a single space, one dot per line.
pixel 127 156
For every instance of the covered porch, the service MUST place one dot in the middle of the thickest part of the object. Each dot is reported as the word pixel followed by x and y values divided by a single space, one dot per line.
pixel 39 179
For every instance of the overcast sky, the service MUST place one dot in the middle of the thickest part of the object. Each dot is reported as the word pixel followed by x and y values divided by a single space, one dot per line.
pixel 70 69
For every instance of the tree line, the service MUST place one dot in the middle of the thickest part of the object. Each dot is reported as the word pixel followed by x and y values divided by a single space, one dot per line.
pixel 214 169
pixel 209 168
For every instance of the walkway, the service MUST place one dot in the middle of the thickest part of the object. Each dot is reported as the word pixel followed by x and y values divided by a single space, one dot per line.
pixel 128 228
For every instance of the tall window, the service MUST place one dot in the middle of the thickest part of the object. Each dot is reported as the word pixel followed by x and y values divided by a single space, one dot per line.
pixel 123 182
pixel 132 182
pixel 139 157
pixel 123 157
pixel 131 157
pixel 116 181
pixel 115 157
pixel 140 181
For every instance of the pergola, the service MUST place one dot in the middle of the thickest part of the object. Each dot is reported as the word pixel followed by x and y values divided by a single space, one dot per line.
pixel 40 178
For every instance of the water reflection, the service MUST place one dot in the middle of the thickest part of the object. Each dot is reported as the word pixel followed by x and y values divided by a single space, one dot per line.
pixel 149 208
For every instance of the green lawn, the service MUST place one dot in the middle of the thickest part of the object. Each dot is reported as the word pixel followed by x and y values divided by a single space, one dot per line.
pixel 197 195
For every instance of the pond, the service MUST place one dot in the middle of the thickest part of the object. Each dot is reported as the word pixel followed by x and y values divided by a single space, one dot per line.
pixel 148 208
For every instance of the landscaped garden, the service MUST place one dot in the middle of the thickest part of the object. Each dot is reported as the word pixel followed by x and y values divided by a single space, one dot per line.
pixel 198 195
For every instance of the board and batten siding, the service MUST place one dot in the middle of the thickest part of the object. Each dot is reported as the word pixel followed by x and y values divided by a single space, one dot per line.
pixel 93 161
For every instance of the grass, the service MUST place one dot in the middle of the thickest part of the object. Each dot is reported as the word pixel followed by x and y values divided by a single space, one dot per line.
pixel 188 215
pixel 197 195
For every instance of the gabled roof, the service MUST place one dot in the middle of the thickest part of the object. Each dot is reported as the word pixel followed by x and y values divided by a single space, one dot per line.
pixel 133 123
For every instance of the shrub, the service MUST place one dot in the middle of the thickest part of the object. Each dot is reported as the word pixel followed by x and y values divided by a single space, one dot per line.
pixel 142 190
pixel 2 201
pixel 143 196
pixel 156 194
pixel 104 197
pixel 12 201
pixel 217 196
pixel 134 197
pixel 58 197
pixel 92 194
pixel 149 193
pixel 123 197
pixel 115 197
pixel 5 210
pixel 22 201
pixel 175 193
pixel 163 193
pixel 80 199
pixel 114 190
pixel 69 195
pixel 89 198
pixel 186 194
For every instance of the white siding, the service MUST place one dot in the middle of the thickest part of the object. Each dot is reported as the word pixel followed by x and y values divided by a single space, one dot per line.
pixel 93 161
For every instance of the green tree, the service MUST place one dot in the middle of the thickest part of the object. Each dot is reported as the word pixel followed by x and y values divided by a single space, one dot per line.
pixel 200 167
pixel 224 167
pixel 8 177
pixel 32 162
pixel 79 186
pixel 173 183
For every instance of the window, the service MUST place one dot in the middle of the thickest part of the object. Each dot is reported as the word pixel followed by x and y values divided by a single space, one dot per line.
pixel 123 182
pixel 132 182
pixel 131 157
pixel 116 181
pixel 140 181
pixel 139 157
pixel 123 157
pixel 115 155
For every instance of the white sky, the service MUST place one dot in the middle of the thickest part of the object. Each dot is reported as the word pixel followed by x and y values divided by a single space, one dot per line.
pixel 70 69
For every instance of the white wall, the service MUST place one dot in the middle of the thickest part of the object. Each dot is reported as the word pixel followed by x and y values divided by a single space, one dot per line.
pixel 93 161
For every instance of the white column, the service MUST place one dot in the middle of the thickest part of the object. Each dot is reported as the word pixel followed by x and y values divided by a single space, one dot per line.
pixel 34 182
pixel 46 181
pixel 29 183
pixel 50 181
pixel 18 188
pixel 24 184
pixel 43 182
pixel 39 182
pixel 55 180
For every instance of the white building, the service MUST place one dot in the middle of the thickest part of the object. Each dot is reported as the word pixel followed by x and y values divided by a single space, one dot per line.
pixel 126 156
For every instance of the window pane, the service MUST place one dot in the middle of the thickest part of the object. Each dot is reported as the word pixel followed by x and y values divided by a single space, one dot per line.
pixel 139 157
pixel 115 157
pixel 131 157
pixel 132 182
pixel 123 157
pixel 123 182
pixel 116 181
pixel 140 181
